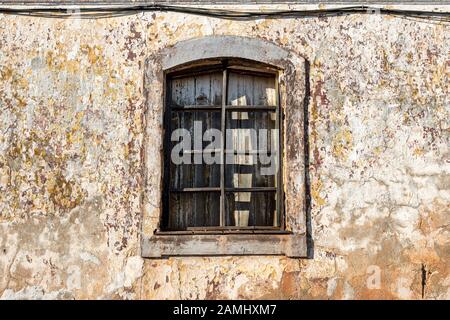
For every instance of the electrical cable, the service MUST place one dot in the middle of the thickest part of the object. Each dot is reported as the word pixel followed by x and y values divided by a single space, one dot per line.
pixel 109 12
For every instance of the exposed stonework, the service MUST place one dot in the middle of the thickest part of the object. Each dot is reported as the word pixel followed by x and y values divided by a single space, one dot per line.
pixel 72 192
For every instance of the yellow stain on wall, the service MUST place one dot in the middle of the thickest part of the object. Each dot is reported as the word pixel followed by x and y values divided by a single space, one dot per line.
pixel 316 188
pixel 342 144
pixel 418 152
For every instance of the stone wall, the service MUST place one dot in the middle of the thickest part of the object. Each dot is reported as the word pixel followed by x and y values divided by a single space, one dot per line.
pixel 72 123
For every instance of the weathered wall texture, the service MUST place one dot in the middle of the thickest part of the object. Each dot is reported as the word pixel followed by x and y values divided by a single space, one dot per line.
pixel 71 132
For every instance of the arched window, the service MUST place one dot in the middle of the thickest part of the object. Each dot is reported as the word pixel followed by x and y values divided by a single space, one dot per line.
pixel 222 150
pixel 231 177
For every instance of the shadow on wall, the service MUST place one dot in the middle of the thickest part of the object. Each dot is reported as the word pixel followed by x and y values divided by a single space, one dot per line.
pixel 309 238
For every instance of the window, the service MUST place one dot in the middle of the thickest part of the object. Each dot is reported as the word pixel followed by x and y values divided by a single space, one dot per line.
pixel 222 152
pixel 232 108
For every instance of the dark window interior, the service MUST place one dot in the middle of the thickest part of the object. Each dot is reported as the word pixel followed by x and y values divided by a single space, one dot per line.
pixel 240 98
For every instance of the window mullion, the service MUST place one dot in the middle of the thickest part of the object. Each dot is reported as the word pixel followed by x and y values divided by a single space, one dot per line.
pixel 222 158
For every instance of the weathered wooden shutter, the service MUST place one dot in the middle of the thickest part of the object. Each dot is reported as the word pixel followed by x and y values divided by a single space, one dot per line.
pixel 195 209
pixel 245 172
pixel 194 189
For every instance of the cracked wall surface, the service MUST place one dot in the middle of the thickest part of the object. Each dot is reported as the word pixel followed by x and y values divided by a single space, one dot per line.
pixel 72 123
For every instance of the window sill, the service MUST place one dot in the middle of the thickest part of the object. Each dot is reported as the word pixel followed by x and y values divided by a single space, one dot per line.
pixel 167 245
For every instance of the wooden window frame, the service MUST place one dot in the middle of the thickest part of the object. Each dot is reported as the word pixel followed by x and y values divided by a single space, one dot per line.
pixel 225 66
pixel 294 97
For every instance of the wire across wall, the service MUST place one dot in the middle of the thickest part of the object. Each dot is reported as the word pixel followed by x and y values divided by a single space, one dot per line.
pixel 99 12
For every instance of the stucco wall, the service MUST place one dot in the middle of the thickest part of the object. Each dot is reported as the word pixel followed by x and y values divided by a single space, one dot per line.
pixel 71 186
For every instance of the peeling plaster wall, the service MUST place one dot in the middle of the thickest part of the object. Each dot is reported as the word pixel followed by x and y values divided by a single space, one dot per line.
pixel 71 132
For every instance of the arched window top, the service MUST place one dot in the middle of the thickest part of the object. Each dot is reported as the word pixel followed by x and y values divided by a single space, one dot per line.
pixel 218 64
pixel 212 47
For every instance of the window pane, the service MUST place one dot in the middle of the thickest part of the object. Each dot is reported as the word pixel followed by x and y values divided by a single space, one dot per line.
pixel 251 209
pixel 188 152
pixel 251 131
pixel 193 209
pixel 247 90
pixel 196 123
pixel 241 175
pixel 197 90
pixel 252 146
